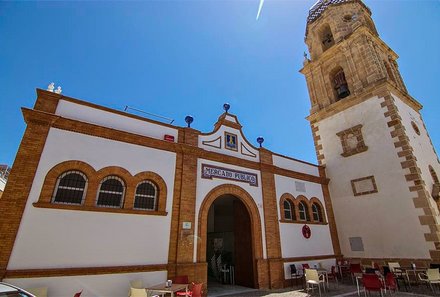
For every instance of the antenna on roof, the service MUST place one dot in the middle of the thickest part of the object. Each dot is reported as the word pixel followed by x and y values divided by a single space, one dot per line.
pixel 150 114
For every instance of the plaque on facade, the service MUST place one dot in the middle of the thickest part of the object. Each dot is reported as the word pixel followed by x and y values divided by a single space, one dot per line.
pixel 210 171
pixel 231 141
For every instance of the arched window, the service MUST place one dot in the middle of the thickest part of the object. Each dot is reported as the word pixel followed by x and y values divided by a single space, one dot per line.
pixel 317 213
pixel 146 196
pixel 111 192
pixel 303 211
pixel 289 210
pixel 70 188
pixel 340 84
pixel 433 175
pixel 326 37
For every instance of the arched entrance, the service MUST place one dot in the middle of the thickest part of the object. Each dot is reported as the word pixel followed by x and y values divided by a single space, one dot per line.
pixel 230 233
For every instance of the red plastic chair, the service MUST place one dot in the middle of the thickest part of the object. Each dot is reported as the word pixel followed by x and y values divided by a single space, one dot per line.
pixel 355 270
pixel 195 291
pixel 391 282
pixel 372 283
pixel 306 266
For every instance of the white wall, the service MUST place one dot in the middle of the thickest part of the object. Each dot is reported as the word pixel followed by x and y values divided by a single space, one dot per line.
pixel 108 119
pixel 421 144
pixel 382 219
pixel 91 285
pixel 206 185
pixel 293 243
pixel 290 164
pixel 52 238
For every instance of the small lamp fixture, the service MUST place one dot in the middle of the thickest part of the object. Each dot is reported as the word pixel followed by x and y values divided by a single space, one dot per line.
pixel 189 119
pixel 260 140
pixel 226 107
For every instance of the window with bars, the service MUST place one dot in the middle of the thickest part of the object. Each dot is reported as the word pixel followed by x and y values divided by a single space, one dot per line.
pixel 316 211
pixel 303 211
pixel 288 210
pixel 111 192
pixel 146 196
pixel 70 188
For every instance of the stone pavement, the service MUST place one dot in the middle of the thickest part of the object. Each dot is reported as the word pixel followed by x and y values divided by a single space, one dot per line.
pixel 347 290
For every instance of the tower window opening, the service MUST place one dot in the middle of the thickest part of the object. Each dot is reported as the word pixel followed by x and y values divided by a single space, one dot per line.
pixel 327 39
pixel 340 85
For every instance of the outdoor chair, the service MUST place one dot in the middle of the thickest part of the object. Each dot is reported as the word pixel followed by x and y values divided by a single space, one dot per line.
pixel 136 284
pixel 431 277
pixel 135 292
pixel 372 282
pixel 399 274
pixel 195 291
pixel 391 282
pixel 355 271
pixel 294 274
pixel 314 279
pixel 333 275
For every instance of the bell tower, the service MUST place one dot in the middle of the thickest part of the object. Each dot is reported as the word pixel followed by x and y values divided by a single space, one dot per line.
pixel 370 136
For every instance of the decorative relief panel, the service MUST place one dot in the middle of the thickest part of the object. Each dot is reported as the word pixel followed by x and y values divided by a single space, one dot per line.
pixel 363 186
pixel 352 141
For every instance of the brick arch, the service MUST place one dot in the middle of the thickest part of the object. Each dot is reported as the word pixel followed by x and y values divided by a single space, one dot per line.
pixel 51 177
pixel 317 201
pixel 254 215
pixel 116 171
pixel 307 203
pixel 289 197
pixel 157 180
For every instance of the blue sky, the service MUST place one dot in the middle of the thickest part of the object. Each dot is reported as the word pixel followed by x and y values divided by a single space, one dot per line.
pixel 175 58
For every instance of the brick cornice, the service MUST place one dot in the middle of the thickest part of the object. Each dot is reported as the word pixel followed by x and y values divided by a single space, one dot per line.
pixel 52 272
pixel 123 136
pixel 380 89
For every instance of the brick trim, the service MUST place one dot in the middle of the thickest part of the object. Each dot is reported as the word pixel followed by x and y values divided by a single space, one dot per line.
pixel 53 272
pixel 19 184
pixel 127 137
pixel 294 202
pixel 330 214
pixel 94 178
pixel 248 201
pixel 413 176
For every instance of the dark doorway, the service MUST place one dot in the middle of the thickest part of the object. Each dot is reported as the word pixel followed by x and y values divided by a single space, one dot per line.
pixel 229 243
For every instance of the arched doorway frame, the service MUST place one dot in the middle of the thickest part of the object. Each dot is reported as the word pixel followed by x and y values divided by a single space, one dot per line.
pixel 254 214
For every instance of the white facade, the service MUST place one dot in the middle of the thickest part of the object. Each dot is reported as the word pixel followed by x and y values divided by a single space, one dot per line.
pixel 392 206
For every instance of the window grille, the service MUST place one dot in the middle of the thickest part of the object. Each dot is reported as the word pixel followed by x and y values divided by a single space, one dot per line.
pixel 303 212
pixel 70 188
pixel 287 210
pixel 146 196
pixel 316 211
pixel 111 192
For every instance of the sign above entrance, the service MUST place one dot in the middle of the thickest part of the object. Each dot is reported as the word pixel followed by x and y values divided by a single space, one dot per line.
pixel 209 171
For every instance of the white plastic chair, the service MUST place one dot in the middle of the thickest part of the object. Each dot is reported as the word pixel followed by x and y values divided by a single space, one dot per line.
pixel 432 276
pixel 314 279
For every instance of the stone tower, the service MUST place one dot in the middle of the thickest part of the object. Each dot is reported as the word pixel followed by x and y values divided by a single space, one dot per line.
pixel 369 134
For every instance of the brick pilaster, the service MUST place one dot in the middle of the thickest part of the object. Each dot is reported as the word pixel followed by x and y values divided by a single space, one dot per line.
pixel 272 230
pixel 19 185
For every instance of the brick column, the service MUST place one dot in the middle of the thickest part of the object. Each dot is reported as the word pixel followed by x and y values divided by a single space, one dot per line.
pixel 19 183
pixel 182 240
pixel 330 214
pixel 272 231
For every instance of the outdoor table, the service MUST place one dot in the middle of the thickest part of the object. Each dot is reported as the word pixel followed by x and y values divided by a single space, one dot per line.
pixel 410 270
pixel 163 289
